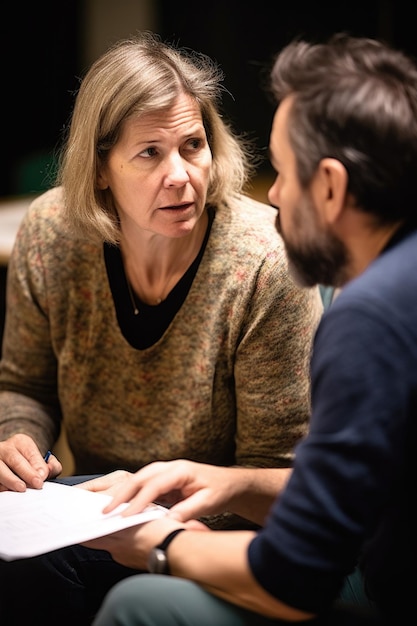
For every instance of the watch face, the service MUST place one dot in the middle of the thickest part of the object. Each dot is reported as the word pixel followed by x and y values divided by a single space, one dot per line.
pixel 158 562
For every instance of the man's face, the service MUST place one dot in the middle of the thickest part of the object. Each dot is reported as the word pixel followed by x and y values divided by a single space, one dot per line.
pixel 315 254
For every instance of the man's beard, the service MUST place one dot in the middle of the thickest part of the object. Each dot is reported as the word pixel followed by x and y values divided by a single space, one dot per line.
pixel 322 260
pixel 318 263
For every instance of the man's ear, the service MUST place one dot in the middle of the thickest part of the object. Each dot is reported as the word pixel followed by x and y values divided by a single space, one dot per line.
pixel 329 189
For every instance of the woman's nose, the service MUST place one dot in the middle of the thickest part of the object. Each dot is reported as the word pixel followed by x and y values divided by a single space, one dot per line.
pixel 177 174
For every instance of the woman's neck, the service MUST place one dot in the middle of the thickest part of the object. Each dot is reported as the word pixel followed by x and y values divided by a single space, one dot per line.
pixel 153 267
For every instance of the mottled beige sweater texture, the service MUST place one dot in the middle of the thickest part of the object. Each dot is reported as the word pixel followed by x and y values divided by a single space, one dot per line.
pixel 228 382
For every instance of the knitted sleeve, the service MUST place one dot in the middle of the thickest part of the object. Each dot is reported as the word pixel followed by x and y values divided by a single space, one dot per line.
pixel 28 398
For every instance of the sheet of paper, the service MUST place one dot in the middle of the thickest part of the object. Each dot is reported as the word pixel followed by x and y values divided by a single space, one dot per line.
pixel 41 520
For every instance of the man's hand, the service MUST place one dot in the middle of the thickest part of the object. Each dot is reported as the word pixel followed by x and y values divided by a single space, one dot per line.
pixel 22 464
pixel 189 489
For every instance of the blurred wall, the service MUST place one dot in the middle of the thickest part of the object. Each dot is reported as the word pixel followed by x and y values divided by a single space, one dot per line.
pixel 46 46
pixel 38 61
pixel 105 21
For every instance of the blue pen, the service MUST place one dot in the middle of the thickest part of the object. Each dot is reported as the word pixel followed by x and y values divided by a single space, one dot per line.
pixel 47 455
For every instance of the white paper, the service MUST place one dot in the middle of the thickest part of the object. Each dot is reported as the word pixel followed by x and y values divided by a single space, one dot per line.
pixel 41 520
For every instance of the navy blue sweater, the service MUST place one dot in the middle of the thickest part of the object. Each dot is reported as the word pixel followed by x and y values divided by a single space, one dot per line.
pixel 350 497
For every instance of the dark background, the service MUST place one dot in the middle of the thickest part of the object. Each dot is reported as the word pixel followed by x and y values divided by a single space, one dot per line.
pixel 42 52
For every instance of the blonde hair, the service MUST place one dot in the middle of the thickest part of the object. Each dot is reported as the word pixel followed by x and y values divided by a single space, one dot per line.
pixel 135 76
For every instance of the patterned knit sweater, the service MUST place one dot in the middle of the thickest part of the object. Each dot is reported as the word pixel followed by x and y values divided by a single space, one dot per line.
pixel 227 383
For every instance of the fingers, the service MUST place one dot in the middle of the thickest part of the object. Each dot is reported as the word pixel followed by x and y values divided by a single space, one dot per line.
pixel 9 481
pixel 21 464
pixel 149 484
pixel 196 505
pixel 137 494
pixel 163 482
pixel 106 482
pixel 54 466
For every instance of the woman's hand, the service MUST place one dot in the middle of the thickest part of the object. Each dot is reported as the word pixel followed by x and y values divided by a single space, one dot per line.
pixel 22 464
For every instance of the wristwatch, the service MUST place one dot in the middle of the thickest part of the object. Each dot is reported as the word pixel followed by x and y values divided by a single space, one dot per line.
pixel 158 560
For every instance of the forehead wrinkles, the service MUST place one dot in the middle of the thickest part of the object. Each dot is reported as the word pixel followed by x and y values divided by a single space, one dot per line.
pixel 185 110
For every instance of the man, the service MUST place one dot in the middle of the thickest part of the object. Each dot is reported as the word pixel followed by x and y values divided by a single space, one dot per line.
pixel 344 146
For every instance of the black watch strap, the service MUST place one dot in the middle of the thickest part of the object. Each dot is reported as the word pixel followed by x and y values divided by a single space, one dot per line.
pixel 165 543
pixel 158 561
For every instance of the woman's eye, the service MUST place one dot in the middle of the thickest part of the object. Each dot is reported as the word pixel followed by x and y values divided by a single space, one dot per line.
pixel 148 152
pixel 194 144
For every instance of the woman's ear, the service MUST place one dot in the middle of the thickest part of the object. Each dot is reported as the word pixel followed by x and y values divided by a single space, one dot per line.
pixel 329 189
pixel 102 181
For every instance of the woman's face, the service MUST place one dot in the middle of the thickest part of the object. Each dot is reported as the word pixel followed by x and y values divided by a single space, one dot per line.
pixel 158 171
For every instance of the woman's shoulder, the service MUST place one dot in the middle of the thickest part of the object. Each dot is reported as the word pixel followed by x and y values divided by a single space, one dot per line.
pixel 44 224
pixel 52 199
pixel 245 212
pixel 46 211
pixel 249 223
pixel 253 209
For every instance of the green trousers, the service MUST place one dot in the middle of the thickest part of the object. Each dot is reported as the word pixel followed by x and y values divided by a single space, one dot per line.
pixel 152 600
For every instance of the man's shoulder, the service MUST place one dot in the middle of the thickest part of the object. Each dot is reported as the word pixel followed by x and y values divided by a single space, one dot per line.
pixel 391 279
pixel 379 303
